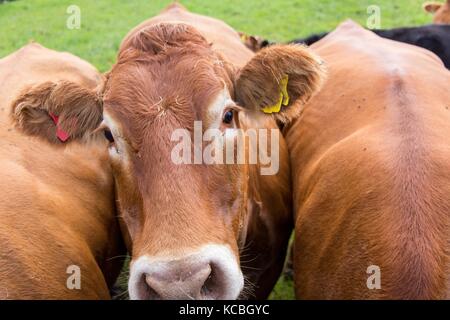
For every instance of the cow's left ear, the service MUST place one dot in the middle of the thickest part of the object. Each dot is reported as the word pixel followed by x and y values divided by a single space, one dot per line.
pixel 279 80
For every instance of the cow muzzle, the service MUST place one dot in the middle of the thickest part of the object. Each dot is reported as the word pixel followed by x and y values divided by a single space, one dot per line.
pixel 209 273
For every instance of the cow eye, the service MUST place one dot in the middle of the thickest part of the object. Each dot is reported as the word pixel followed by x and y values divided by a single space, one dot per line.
pixel 108 135
pixel 228 117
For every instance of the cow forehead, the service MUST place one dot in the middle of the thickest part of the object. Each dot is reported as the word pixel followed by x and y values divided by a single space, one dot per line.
pixel 152 93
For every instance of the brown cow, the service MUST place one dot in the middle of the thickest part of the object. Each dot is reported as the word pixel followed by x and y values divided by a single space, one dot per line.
pixel 371 175
pixel 189 225
pixel 440 11
pixel 57 209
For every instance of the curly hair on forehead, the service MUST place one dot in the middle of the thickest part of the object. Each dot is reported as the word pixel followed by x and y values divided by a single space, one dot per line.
pixel 156 39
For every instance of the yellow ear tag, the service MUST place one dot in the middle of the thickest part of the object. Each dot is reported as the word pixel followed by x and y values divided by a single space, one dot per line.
pixel 284 98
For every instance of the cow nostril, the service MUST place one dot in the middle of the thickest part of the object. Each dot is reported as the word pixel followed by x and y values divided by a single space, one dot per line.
pixel 213 286
pixel 150 293
pixel 208 285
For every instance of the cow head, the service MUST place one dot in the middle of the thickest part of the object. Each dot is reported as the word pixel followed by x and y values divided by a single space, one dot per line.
pixel 440 11
pixel 183 222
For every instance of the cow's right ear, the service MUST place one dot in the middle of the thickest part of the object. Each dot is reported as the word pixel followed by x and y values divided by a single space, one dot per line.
pixel 432 7
pixel 279 80
pixel 58 112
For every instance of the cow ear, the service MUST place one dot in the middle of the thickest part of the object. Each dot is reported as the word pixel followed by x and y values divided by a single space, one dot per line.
pixel 254 43
pixel 432 7
pixel 57 111
pixel 279 80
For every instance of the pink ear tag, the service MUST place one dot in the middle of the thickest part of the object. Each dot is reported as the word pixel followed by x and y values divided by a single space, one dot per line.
pixel 62 135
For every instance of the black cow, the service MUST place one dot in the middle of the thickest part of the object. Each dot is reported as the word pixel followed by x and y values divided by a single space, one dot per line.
pixel 435 38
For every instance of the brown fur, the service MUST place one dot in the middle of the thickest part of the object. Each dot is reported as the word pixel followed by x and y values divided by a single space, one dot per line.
pixel 440 11
pixel 157 194
pixel 78 108
pixel 370 172
pixel 57 206
pixel 221 36
pixel 165 78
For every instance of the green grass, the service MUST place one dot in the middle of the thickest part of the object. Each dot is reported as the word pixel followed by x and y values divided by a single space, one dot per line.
pixel 284 290
pixel 104 23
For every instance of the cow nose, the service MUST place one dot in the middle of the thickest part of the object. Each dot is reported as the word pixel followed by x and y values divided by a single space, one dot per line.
pixel 185 283
pixel 210 272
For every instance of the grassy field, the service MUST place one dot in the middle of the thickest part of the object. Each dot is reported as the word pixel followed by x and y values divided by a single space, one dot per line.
pixel 104 23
